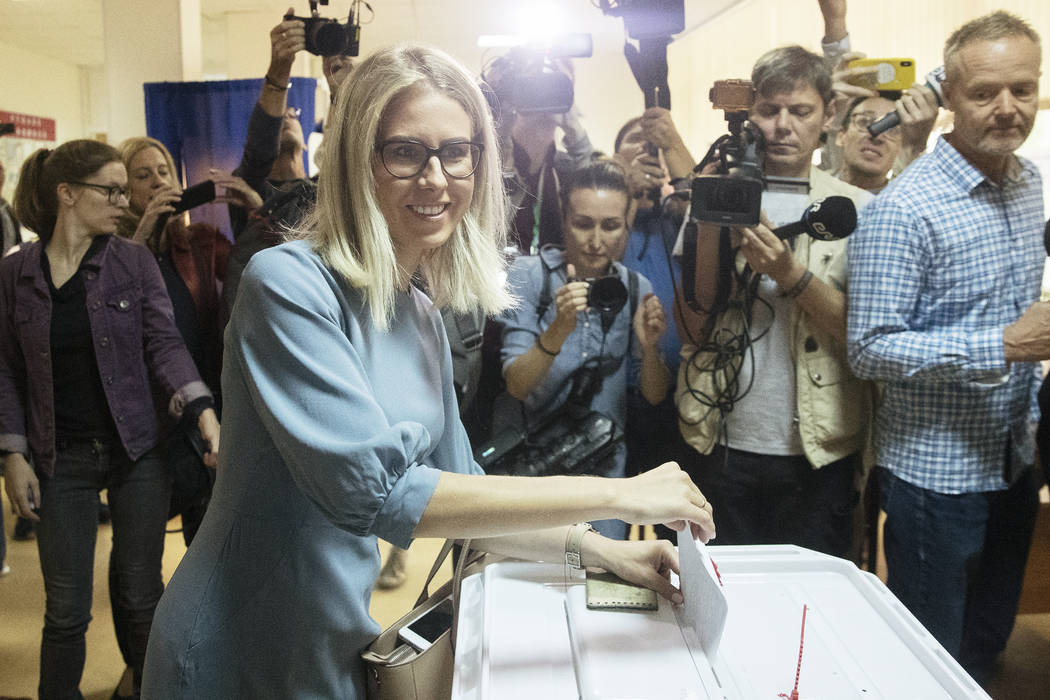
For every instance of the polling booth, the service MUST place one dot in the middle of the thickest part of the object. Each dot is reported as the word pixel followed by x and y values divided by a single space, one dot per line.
pixel 757 622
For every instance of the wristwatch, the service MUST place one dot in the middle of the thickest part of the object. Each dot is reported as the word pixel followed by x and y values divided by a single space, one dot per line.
pixel 572 544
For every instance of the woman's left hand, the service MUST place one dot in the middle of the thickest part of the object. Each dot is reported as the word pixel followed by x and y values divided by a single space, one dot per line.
pixel 236 192
pixel 647 563
pixel 208 423
pixel 650 321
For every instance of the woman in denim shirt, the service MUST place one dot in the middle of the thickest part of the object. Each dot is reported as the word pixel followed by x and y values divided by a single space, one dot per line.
pixel 546 349
pixel 85 325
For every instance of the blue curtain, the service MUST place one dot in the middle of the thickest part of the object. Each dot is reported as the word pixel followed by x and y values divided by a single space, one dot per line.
pixel 204 125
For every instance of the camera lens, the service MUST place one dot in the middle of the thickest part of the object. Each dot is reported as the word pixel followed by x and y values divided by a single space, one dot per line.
pixel 607 294
pixel 329 37
pixel 729 196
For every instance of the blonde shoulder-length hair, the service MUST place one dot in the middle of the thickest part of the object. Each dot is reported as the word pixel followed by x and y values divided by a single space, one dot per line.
pixel 348 230
pixel 129 148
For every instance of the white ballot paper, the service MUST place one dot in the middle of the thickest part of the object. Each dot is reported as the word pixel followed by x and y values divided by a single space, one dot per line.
pixel 705 607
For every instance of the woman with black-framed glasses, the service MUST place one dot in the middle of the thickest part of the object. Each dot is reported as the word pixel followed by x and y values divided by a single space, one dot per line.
pixel 85 326
pixel 340 412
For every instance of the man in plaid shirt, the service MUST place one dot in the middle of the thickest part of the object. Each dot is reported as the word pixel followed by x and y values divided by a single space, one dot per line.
pixel 945 274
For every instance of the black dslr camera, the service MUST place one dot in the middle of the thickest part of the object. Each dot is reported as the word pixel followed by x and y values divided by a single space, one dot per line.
pixel 326 37
pixel 733 196
pixel 527 79
pixel 606 294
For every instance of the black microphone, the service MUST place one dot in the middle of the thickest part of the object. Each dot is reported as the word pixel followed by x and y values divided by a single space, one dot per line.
pixel 1046 237
pixel 933 81
pixel 827 219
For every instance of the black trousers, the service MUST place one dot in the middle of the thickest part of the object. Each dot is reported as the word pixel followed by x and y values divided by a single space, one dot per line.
pixel 772 499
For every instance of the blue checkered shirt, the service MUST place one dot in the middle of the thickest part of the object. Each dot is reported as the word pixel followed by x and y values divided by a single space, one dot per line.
pixel 942 261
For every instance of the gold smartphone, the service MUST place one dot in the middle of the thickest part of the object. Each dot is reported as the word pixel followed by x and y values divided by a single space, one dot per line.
pixel 606 591
pixel 889 73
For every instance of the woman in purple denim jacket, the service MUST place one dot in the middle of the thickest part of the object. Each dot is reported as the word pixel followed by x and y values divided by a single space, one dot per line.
pixel 85 326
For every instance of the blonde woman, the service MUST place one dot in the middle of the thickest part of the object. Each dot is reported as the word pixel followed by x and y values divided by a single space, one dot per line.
pixel 341 422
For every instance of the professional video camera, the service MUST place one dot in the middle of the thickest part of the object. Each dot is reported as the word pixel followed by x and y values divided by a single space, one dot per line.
pixel 732 196
pixel 326 37
pixel 528 80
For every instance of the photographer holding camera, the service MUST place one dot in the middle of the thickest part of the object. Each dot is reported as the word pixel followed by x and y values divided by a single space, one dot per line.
pixel 857 157
pixel 652 434
pixel 533 99
pixel 272 161
pixel 765 396
pixel 549 343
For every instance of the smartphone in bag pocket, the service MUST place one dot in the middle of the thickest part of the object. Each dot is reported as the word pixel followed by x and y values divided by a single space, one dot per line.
pixel 422 632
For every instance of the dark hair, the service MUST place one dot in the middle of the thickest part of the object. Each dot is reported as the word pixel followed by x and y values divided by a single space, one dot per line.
pixel 36 198
pixel 622 133
pixel 784 69
pixel 601 174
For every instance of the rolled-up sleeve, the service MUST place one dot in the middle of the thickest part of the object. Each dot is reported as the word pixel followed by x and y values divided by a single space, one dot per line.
pixel 314 391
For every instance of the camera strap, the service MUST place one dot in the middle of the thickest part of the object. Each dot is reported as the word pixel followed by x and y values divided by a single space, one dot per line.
pixel 726 269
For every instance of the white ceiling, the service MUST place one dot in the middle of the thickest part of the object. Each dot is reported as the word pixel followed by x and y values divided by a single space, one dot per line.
pixel 71 30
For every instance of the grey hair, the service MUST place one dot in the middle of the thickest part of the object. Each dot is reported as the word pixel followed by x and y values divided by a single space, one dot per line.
pixel 996 25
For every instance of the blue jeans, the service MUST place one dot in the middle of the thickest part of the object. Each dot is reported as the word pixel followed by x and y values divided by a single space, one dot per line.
pixel 138 498
pixel 957 562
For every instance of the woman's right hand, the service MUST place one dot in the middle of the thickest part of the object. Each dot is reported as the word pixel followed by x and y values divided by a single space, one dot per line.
pixel 665 495
pixel 161 203
pixel 569 300
pixel 286 40
pixel 23 488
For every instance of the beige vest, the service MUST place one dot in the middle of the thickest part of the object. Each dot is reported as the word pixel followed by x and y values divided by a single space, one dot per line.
pixel 833 407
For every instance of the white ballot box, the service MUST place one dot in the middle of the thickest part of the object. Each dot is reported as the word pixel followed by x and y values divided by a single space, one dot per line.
pixel 525 632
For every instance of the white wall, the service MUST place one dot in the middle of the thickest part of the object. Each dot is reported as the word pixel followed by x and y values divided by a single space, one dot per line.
pixel 45 87
pixel 236 45
pixel 727 47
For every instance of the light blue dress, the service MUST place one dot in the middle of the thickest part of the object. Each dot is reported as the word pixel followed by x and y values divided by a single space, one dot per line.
pixel 333 435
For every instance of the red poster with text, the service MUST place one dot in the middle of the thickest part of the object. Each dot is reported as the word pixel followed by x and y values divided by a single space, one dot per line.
pixel 28 126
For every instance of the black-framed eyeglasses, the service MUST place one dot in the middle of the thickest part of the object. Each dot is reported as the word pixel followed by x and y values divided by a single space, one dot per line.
pixel 407 159
pixel 862 120
pixel 113 192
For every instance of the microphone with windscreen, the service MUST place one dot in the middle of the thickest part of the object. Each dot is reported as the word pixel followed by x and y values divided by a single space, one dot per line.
pixel 826 219
pixel 933 81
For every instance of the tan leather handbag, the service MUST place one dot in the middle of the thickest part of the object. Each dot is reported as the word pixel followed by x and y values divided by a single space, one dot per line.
pixel 398 672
